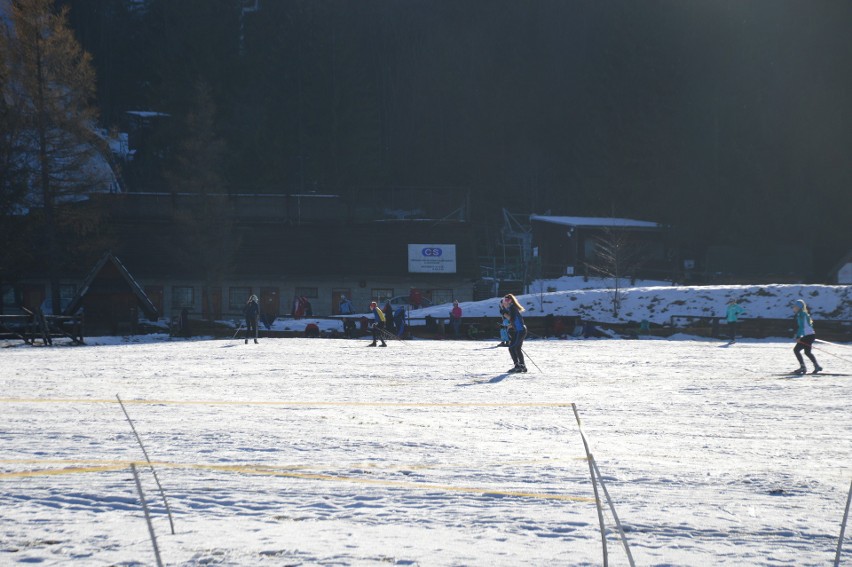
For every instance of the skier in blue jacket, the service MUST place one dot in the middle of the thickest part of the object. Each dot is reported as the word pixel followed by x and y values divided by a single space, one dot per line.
pixel 517 331
pixel 732 315
pixel 805 337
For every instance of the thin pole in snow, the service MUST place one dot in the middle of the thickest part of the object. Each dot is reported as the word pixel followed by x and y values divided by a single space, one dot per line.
pixel 147 514
pixel 150 464
pixel 590 459
pixel 615 516
pixel 843 528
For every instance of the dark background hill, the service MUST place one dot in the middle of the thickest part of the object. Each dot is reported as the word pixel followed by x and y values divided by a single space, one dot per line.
pixel 729 120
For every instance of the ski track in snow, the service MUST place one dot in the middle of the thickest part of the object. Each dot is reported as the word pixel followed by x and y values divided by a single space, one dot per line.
pixel 322 452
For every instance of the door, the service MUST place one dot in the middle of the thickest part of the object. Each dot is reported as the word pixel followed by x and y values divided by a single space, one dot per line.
pixel 32 296
pixel 270 304
pixel 335 298
pixel 211 303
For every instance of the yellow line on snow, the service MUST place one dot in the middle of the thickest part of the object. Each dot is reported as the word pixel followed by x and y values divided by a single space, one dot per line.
pixel 288 403
pixel 277 471
pixel 69 470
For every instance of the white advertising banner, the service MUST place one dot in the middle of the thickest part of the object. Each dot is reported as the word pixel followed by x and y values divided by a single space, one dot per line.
pixel 432 258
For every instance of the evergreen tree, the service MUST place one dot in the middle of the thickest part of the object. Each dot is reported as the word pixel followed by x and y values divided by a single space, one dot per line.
pixel 13 175
pixel 52 81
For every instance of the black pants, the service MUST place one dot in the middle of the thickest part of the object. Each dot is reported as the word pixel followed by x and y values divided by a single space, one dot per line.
pixel 732 329
pixel 516 343
pixel 378 331
pixel 251 328
pixel 804 344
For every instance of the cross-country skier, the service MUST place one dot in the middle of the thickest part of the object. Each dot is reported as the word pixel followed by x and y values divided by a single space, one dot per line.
pixel 517 331
pixel 378 325
pixel 805 337
pixel 252 313
pixel 733 312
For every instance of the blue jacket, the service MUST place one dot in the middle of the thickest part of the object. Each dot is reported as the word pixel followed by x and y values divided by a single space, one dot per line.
pixel 733 312
pixel 516 320
pixel 804 324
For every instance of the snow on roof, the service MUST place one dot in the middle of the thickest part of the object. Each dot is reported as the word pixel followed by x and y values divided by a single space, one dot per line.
pixel 145 113
pixel 595 222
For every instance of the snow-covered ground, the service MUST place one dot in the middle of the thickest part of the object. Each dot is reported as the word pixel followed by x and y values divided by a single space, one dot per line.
pixel 323 452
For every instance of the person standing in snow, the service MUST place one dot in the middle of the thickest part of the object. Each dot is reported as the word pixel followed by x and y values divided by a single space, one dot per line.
pixel 731 316
pixel 388 311
pixel 399 320
pixel 345 306
pixel 805 337
pixel 455 318
pixel 252 313
pixel 517 331
pixel 415 298
pixel 298 307
pixel 378 325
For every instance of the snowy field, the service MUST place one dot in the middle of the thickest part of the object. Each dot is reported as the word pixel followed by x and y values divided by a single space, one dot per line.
pixel 323 452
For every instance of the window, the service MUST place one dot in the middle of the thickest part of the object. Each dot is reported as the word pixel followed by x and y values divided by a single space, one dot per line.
pixel 310 292
pixel 381 294
pixel 9 299
pixel 183 296
pixel 440 296
pixel 238 297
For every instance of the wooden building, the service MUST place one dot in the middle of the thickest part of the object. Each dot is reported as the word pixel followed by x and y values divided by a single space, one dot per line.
pixel 281 247
pixel 571 245
pixel 110 299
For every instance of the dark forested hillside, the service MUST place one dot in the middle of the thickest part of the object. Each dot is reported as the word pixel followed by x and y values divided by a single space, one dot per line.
pixel 731 120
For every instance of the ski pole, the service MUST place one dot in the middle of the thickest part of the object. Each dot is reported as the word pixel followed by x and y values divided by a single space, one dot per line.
pixel 391 336
pixel 824 351
pixel 237 332
pixel 833 344
pixel 531 360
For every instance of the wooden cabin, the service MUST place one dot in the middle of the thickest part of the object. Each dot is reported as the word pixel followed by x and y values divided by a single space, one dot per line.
pixel 111 300
pixel 569 245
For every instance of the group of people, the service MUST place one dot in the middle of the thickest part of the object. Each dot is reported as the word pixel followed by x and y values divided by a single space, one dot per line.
pixel 513 331
pixel 384 318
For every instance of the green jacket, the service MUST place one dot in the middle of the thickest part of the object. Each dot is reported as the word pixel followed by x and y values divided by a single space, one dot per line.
pixel 734 311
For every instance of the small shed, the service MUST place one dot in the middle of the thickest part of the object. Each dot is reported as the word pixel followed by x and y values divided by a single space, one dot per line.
pixel 568 245
pixel 111 299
